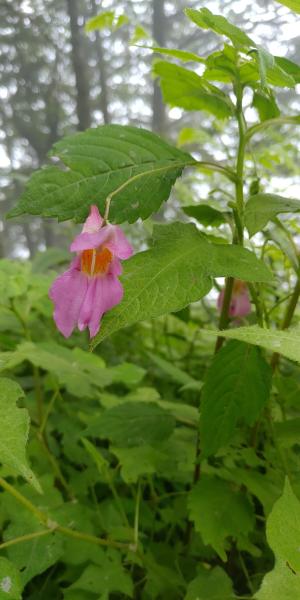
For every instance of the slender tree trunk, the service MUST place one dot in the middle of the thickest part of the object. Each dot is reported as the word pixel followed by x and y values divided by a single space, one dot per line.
pixel 159 25
pixel 104 102
pixel 80 69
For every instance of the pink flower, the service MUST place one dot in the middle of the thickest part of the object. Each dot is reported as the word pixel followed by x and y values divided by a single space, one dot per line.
pixel 90 287
pixel 240 302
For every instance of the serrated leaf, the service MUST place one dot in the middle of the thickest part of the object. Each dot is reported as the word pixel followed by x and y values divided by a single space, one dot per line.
pixel 135 165
pixel 236 388
pixel 286 343
pixel 205 214
pixel 184 88
pixel 283 535
pixel 292 4
pixel 133 424
pixel 176 271
pixel 219 512
pixel 212 584
pixel 205 19
pixel 14 431
pixel 262 208
pixel 10 580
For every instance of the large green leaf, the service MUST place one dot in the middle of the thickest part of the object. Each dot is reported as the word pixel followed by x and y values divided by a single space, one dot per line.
pixel 134 165
pixel 176 271
pixel 219 512
pixel 14 431
pixel 292 4
pixel 262 208
pixel 181 87
pixel 236 388
pixel 283 535
pixel 205 19
pixel 286 343
pixel 133 424
pixel 280 584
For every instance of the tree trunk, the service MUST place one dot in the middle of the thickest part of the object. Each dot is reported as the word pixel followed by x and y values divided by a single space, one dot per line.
pixel 102 71
pixel 159 25
pixel 80 69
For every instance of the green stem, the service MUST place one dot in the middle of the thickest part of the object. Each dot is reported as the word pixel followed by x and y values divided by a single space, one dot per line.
pixel 224 316
pixel 51 525
pixel 137 516
pixel 26 538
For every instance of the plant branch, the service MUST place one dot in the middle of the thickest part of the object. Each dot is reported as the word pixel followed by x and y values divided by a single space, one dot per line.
pixel 52 525
pixel 210 166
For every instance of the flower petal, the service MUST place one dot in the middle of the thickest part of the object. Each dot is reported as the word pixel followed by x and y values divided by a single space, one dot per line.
pixel 103 293
pixel 87 241
pixel 119 244
pixel 242 305
pixel 68 292
pixel 93 222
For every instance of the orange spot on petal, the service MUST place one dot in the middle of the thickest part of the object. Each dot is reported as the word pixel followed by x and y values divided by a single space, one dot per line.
pixel 96 261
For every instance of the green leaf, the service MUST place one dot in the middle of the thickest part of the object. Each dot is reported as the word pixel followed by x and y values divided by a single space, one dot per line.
pixel 289 67
pixel 10 581
pixel 292 4
pixel 134 166
pixel 170 369
pixel 217 23
pixel 265 105
pixel 283 528
pixel 219 512
pixel 262 208
pixel 176 271
pixel 213 584
pixel 205 214
pixel 34 556
pixel 186 89
pixel 137 461
pixel 14 431
pixel 106 578
pixel 107 19
pixel 236 388
pixel 286 343
pixel 265 63
pixel 283 535
pixel 74 369
pixel 133 424
pixel 279 584
pixel 288 432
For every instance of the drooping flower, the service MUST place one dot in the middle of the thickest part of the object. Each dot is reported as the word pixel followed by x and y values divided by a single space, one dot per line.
pixel 240 301
pixel 90 287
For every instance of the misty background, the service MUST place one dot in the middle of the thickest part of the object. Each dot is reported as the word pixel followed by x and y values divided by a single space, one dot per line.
pixel 56 79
